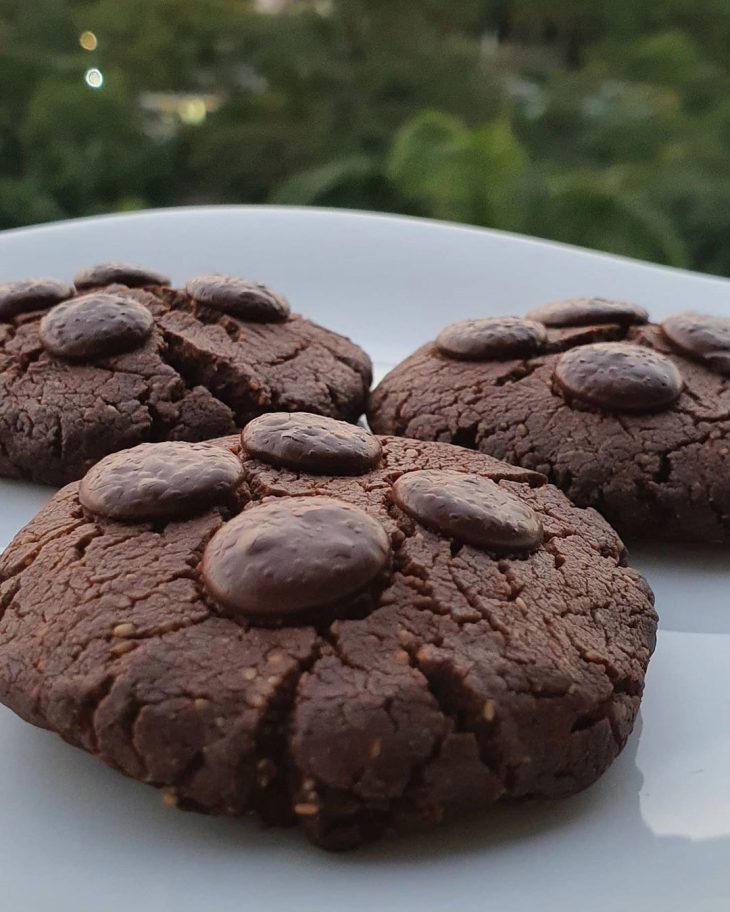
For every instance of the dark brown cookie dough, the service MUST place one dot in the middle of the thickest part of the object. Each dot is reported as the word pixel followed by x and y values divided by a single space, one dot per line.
pixel 87 373
pixel 198 652
pixel 625 416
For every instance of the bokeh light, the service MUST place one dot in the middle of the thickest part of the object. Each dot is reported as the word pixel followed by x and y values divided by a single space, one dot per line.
pixel 88 41
pixel 193 111
pixel 94 78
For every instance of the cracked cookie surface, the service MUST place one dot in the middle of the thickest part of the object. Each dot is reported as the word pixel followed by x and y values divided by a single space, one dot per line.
pixel 647 442
pixel 79 379
pixel 436 678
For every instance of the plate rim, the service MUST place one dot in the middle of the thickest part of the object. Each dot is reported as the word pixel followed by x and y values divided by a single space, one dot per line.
pixel 347 214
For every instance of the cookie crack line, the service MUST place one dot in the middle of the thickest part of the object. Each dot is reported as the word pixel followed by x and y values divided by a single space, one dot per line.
pixel 271 754
pixel 179 366
pixel 236 332
pixel 412 648
pixel 279 751
pixel 221 392
pixel 160 424
pixel 456 716
pixel 451 726
pixel 8 575
pixel 590 657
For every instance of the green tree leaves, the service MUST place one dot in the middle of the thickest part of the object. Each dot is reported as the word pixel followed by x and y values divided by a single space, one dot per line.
pixel 604 124
pixel 452 171
pixel 577 210
pixel 83 145
pixel 308 188
pixel 483 175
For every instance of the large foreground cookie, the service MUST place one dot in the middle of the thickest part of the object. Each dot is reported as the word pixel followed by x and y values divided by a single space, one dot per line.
pixel 625 416
pixel 122 358
pixel 415 635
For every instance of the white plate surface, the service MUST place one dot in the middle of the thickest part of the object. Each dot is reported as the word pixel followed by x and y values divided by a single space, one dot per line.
pixel 653 835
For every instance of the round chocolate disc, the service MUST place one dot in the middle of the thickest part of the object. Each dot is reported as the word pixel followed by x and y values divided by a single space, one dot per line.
pixel 118 274
pixel 619 377
pixel 471 509
pixel 701 337
pixel 160 480
pixel 588 312
pixel 311 443
pixel 491 338
pixel 240 298
pixel 95 326
pixel 31 294
pixel 292 555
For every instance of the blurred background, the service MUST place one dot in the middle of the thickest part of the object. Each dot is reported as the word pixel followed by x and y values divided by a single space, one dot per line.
pixel 603 123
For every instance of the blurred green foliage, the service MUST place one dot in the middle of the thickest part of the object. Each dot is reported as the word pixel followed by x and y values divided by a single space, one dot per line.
pixel 605 124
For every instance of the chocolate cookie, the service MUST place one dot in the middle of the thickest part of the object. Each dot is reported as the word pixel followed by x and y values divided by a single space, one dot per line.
pixel 626 416
pixel 355 650
pixel 124 358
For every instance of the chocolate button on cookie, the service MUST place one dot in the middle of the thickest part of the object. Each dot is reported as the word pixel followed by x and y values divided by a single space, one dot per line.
pixel 31 294
pixel 311 443
pixel 588 312
pixel 492 337
pixel 702 337
pixel 290 556
pixel 470 509
pixel 239 297
pixel 160 480
pixel 95 326
pixel 619 377
pixel 114 273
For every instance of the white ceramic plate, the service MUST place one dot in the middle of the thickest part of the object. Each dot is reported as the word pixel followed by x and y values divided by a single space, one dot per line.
pixel 653 835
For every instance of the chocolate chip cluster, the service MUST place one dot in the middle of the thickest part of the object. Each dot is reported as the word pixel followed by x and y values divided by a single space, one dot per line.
pixel 282 559
pixel 86 322
pixel 612 376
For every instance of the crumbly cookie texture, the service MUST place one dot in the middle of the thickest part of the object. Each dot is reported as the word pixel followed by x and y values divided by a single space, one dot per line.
pixel 123 358
pixel 626 416
pixel 355 653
